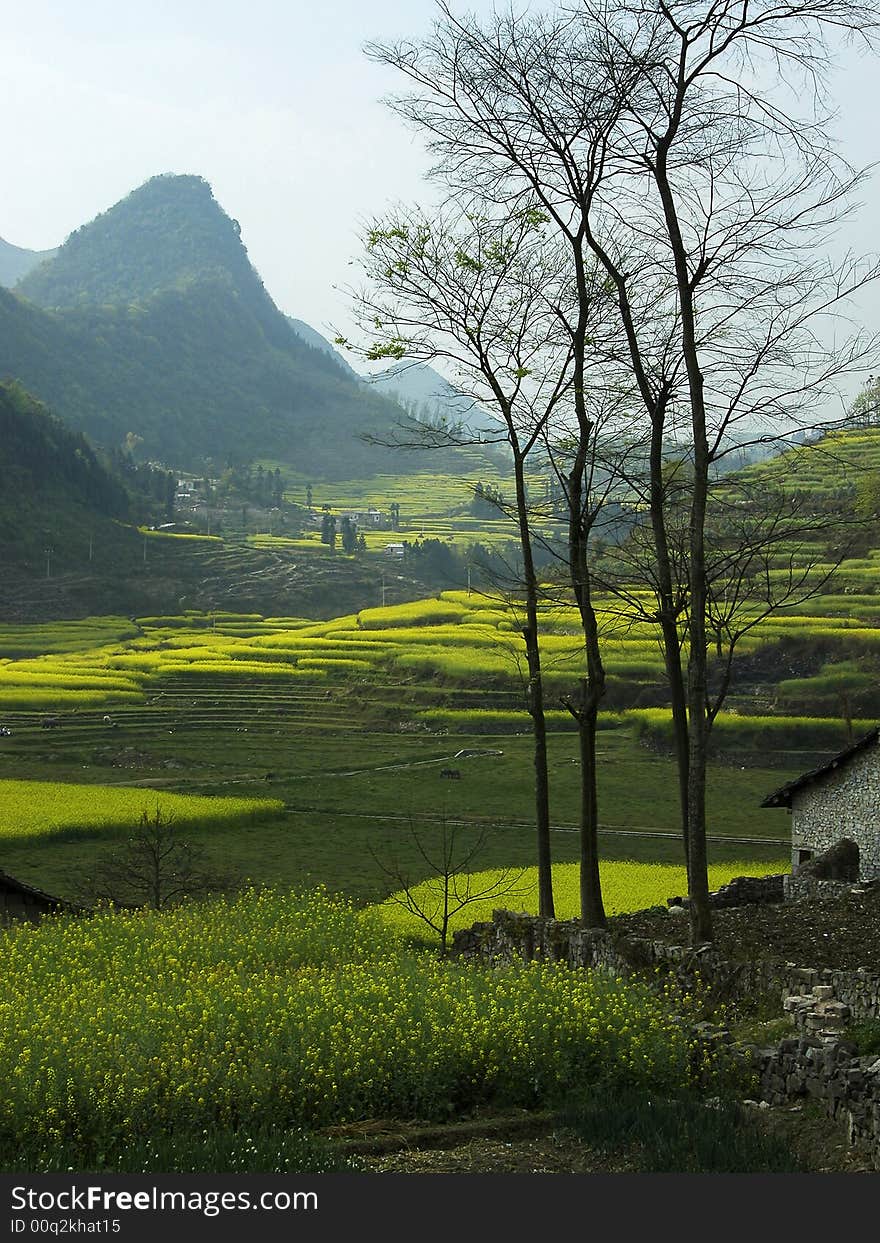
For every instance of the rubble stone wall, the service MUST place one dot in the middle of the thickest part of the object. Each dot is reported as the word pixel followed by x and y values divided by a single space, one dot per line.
pixel 512 936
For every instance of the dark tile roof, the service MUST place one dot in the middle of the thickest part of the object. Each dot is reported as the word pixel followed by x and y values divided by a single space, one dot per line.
pixel 8 884
pixel 783 796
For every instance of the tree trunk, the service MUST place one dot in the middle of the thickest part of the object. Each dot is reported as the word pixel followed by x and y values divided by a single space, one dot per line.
pixel 697 674
pixel 592 906
pixel 668 617
pixel 592 690
pixel 546 906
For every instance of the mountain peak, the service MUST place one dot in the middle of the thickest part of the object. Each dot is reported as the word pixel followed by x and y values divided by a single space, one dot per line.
pixel 167 234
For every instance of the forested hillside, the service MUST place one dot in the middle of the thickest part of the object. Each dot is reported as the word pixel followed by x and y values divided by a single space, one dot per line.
pixel 429 396
pixel 39 455
pixel 16 261
pixel 151 320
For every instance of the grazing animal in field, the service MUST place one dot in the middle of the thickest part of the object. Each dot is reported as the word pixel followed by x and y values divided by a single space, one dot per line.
pixel 452 773
pixel 50 722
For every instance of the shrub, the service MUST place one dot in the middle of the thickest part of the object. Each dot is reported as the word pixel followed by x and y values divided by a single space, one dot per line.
pixel 678 1136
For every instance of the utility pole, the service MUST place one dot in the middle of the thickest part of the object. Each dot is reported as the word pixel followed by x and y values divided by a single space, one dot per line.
pixel 145 549
pixel 383 591
pixel 49 552
pixel 90 549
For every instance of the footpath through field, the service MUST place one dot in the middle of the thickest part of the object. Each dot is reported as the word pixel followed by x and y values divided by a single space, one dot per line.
pixel 621 831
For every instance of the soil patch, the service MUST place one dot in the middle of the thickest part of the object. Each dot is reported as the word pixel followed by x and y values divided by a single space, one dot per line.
pixel 839 929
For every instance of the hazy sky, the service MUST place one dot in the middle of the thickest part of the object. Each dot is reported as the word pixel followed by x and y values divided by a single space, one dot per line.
pixel 272 101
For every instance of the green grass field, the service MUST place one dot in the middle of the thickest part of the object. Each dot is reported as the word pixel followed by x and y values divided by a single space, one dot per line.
pixel 349 722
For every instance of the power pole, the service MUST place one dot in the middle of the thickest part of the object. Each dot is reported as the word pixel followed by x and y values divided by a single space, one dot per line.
pixel 49 552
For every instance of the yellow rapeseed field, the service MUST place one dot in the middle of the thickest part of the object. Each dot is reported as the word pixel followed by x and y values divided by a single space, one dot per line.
pixel 279 1010
pixel 64 809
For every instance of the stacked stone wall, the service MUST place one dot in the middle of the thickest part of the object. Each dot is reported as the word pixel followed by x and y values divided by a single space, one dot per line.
pixel 512 936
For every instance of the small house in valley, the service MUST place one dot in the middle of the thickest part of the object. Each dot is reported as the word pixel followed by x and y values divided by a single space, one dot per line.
pixel 839 799
pixel 21 901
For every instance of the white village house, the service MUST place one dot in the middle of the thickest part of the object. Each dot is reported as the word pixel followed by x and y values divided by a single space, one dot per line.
pixel 839 799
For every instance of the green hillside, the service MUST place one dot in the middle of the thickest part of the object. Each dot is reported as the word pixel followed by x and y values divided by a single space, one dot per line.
pixel 50 477
pixel 152 320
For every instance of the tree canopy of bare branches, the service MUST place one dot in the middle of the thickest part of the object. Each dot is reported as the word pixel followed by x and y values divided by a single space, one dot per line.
pixel 687 147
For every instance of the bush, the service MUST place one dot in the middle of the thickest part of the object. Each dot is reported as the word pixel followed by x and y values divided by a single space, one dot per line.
pixel 281 1012
pixel 677 1136
pixel 865 1035
pixel 752 733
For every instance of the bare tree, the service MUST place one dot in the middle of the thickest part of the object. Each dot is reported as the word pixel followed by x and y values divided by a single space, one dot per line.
pixel 481 294
pixel 686 145
pixel 491 293
pixel 450 852
pixel 154 868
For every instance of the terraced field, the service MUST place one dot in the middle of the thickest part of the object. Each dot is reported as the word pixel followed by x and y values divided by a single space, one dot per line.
pixel 350 723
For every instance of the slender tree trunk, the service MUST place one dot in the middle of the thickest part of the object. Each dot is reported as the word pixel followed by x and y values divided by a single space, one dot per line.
pixel 586 712
pixel 668 617
pixel 546 906
pixel 697 678
pixel 698 878
pixel 592 906
pixel 593 685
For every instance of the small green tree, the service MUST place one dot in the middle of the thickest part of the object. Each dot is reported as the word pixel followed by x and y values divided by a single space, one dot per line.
pixel 349 535
pixel 328 530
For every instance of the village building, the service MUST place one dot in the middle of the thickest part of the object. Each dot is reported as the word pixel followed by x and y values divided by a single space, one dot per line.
pixel 839 799
pixel 373 519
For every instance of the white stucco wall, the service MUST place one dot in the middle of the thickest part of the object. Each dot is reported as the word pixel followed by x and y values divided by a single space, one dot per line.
pixel 845 802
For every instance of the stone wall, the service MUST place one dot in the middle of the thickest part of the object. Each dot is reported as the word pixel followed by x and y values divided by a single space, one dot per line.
pixel 745 891
pixel 819 1063
pixel 845 802
pixel 514 936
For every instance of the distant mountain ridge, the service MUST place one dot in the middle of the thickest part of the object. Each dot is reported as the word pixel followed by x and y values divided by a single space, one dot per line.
pixel 312 337
pixel 427 395
pixel 152 320
pixel 16 262
pixel 39 453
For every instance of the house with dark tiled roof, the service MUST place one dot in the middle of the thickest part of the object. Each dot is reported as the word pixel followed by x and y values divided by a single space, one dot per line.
pixel 21 901
pixel 840 798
